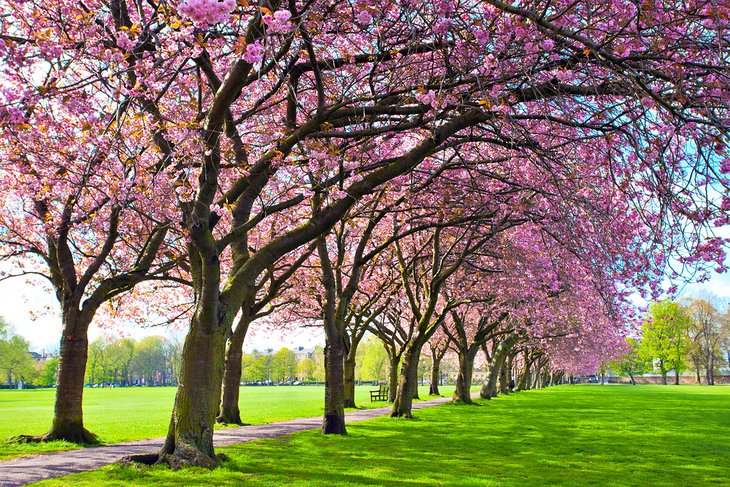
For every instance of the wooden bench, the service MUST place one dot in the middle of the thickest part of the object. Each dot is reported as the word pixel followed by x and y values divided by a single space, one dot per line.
pixel 381 394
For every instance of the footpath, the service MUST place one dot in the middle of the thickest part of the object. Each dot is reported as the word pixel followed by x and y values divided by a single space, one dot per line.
pixel 26 470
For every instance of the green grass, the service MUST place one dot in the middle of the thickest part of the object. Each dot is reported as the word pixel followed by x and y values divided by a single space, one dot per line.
pixel 126 414
pixel 568 435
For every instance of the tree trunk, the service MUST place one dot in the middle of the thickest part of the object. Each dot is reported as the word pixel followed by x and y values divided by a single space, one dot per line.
pixel 350 380
pixel 433 389
pixel 523 383
pixel 350 364
pixel 499 355
pixel 68 418
pixel 229 412
pixel 190 436
pixel 708 370
pixel 462 392
pixel 334 387
pixel 393 377
pixel 504 378
pixel 408 377
pixel 415 388
pixel 698 375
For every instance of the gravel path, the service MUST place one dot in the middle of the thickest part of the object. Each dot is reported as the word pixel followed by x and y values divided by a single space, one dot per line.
pixel 26 470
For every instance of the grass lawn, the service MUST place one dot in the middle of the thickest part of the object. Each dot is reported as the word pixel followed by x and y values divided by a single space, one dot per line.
pixel 134 413
pixel 568 435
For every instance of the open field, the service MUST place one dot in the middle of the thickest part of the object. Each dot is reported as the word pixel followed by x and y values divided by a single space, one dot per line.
pixel 134 413
pixel 568 435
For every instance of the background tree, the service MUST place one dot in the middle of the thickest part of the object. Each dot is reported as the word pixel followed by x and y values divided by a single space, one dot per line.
pixel 664 339
pixel 16 363
pixel 48 372
pixel 148 364
pixel 307 369
pixel 373 360
pixel 284 365
pixel 256 367
pixel 705 331
pixel 633 362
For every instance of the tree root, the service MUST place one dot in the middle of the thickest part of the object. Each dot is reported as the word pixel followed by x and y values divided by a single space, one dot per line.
pixel 82 437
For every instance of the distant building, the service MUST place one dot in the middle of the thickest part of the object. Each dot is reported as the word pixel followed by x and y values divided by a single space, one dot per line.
pixel 303 353
pixel 43 355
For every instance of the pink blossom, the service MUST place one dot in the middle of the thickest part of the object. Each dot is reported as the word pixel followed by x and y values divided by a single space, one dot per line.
pixel 279 22
pixel 254 53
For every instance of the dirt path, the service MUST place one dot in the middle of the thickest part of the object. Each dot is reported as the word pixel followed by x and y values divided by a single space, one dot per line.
pixel 22 471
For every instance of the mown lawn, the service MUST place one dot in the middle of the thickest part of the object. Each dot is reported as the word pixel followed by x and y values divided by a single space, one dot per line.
pixel 568 435
pixel 135 413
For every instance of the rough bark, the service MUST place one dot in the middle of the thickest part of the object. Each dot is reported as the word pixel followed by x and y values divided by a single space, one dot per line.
pixel 190 436
pixel 462 393
pixel 68 417
pixel 229 411
pixel 393 377
pixel 433 388
pixel 504 378
pixel 489 388
pixel 403 401
pixel 349 372
pixel 334 390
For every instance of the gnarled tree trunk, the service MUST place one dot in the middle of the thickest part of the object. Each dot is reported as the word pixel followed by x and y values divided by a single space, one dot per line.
pixel 504 378
pixel 349 365
pixel 489 388
pixel 408 379
pixel 393 376
pixel 334 389
pixel 68 417
pixel 433 388
pixel 462 393
pixel 190 436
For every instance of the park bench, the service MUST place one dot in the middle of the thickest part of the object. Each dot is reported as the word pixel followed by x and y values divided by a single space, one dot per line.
pixel 381 394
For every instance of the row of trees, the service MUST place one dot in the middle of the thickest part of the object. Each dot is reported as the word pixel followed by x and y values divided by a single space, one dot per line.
pixel 152 360
pixel 371 364
pixel 691 334
pixel 473 175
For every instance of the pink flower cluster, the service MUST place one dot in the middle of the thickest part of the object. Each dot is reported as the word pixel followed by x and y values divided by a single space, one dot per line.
pixel 254 53
pixel 279 22
pixel 428 98
pixel 206 12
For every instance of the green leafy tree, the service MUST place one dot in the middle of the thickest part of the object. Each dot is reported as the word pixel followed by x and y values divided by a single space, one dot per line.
pixel 255 367
pixel 149 363
pixel 632 363
pixel 120 354
pixel 664 337
pixel 319 360
pixel 16 363
pixel 373 360
pixel 47 372
pixel 97 364
pixel 284 365
pixel 307 369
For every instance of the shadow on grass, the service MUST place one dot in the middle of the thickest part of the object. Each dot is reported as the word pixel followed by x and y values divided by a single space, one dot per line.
pixel 559 436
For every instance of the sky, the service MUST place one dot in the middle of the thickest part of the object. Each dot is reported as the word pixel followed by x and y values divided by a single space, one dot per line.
pixel 35 315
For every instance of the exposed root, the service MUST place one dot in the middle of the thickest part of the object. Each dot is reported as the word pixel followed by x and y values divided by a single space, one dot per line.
pixel 82 437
